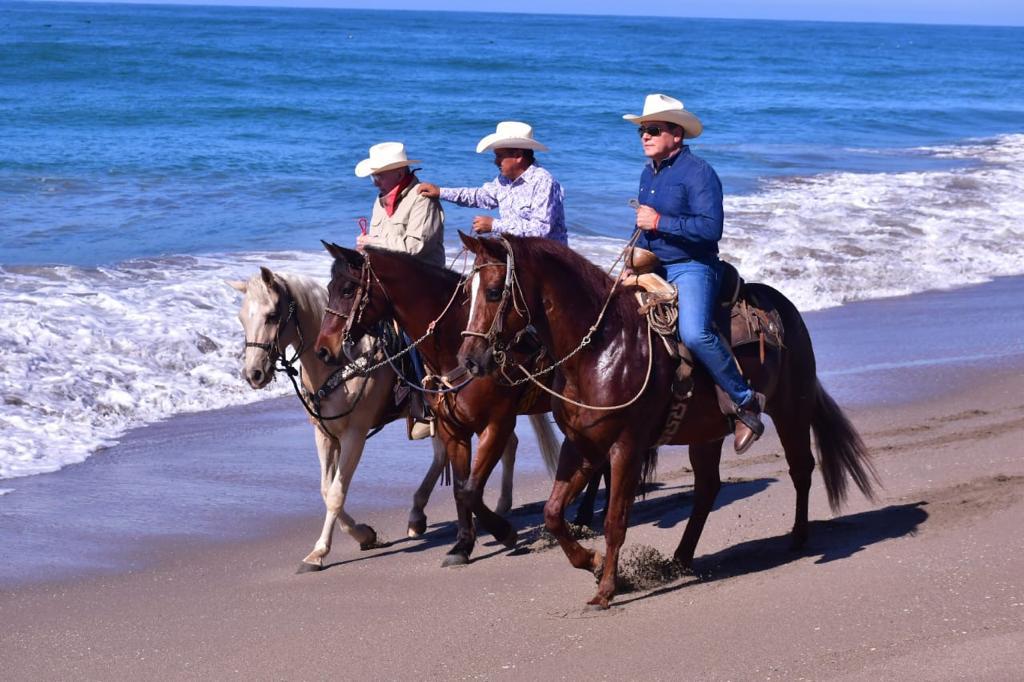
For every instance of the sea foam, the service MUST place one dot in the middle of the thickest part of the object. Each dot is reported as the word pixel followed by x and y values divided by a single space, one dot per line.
pixel 88 353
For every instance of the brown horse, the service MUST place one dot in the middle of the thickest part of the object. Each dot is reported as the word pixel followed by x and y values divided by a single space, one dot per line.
pixel 384 285
pixel 538 282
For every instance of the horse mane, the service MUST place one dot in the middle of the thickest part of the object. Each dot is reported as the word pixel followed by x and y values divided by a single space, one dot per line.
pixel 407 260
pixel 309 295
pixel 592 278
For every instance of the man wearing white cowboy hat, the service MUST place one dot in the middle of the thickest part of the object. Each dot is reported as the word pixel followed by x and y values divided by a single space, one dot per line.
pixel 681 216
pixel 528 198
pixel 402 219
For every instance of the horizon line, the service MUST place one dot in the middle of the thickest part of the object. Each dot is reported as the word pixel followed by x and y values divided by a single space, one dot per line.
pixel 302 5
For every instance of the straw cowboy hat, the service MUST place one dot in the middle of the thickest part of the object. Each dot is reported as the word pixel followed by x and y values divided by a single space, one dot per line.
pixel 384 157
pixel 510 135
pixel 659 107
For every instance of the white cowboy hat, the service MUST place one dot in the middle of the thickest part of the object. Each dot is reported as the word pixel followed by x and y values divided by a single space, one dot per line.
pixel 384 157
pixel 658 107
pixel 510 135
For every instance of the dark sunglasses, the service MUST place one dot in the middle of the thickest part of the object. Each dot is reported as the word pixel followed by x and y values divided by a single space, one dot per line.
pixel 653 131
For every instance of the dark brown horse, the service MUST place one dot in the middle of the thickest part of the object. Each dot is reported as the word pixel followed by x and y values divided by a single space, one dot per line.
pixel 561 294
pixel 386 285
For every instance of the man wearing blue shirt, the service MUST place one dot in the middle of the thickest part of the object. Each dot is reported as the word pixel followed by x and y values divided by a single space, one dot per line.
pixel 681 216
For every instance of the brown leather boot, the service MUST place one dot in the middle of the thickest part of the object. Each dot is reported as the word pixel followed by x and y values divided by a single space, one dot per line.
pixel 749 426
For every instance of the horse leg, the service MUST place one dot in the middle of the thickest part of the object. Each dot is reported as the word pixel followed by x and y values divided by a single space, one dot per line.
pixel 705 459
pixel 351 445
pixel 327 450
pixel 795 435
pixel 625 467
pixel 508 465
pixel 417 516
pixel 585 509
pixel 493 441
pixel 572 475
pixel 458 450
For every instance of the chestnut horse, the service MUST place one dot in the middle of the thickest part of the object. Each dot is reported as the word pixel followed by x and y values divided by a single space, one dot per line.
pixel 281 311
pixel 521 281
pixel 421 298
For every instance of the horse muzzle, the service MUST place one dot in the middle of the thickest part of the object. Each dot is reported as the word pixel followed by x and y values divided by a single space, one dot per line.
pixel 478 364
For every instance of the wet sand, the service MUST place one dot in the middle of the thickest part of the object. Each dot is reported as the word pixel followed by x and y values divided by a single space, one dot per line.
pixel 925 582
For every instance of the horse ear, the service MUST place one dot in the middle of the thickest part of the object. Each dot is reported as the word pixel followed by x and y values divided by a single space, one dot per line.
pixel 472 244
pixel 493 247
pixel 267 275
pixel 237 285
pixel 350 256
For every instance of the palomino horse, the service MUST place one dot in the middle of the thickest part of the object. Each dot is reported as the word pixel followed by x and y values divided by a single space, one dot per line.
pixel 611 361
pixel 387 285
pixel 281 310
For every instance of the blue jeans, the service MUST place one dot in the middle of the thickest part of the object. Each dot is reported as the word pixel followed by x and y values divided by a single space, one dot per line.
pixel 698 284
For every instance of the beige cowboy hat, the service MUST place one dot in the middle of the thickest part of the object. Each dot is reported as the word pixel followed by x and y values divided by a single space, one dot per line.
pixel 658 107
pixel 510 135
pixel 384 157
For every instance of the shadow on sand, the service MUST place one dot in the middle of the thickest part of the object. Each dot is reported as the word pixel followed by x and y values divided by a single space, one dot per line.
pixel 661 509
pixel 830 540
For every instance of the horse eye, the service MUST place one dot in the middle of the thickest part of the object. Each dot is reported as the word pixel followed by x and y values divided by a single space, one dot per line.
pixel 493 295
pixel 273 317
pixel 349 291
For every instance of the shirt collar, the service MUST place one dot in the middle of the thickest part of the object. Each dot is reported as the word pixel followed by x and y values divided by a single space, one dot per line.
pixel 527 174
pixel 685 149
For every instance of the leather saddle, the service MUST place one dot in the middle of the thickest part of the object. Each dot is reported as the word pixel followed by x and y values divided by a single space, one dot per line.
pixel 741 317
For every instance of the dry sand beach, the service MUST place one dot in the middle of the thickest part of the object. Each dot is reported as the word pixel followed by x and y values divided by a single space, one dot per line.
pixel 925 583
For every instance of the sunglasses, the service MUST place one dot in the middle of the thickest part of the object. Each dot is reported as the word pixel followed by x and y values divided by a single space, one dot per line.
pixel 653 131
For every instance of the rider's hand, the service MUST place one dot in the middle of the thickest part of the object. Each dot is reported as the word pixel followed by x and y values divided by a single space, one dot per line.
pixel 429 190
pixel 483 223
pixel 363 240
pixel 647 218
pixel 626 274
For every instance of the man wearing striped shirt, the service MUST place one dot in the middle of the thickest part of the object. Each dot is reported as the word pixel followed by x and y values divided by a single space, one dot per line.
pixel 528 198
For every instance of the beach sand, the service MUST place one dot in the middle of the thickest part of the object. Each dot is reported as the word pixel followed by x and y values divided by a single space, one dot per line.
pixel 925 582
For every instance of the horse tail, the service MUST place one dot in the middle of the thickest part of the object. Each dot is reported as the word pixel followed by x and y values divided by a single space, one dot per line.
pixel 549 445
pixel 648 470
pixel 841 451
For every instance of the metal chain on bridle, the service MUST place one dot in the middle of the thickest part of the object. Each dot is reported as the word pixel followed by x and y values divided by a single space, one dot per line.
pixel 500 356
pixel 280 362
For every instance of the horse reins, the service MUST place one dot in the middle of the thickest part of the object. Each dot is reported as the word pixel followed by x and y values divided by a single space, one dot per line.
pixel 360 304
pixel 282 363
pixel 511 282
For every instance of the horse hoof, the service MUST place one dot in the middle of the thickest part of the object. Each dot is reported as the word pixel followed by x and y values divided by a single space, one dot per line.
pixel 455 559
pixel 305 567
pixel 797 541
pixel 417 528
pixel 373 542
pixel 511 539
pixel 599 603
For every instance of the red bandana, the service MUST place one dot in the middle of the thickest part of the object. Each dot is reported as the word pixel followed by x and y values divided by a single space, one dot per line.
pixel 390 200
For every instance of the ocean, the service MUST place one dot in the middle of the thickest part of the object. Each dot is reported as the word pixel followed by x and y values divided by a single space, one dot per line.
pixel 150 152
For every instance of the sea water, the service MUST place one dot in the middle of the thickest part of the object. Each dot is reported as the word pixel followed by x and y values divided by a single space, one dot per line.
pixel 148 153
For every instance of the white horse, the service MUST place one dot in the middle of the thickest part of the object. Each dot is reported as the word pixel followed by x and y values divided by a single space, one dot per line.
pixel 285 311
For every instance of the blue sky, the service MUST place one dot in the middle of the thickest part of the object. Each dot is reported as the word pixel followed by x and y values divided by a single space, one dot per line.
pixel 990 12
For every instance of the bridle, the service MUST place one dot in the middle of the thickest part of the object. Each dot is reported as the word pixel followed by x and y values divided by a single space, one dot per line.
pixel 367 277
pixel 513 291
pixel 274 350
pixel 280 362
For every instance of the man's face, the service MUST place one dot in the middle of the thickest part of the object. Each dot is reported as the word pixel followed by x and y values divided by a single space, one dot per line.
pixel 510 162
pixel 662 145
pixel 386 180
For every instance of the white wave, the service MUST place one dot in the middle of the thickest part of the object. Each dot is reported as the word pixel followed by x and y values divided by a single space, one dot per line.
pixel 88 353
pixel 829 239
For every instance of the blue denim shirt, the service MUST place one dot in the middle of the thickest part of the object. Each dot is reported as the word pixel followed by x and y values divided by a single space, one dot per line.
pixel 687 194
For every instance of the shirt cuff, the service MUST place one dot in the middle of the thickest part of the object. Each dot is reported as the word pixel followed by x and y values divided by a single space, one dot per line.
pixel 496 226
pixel 447 194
